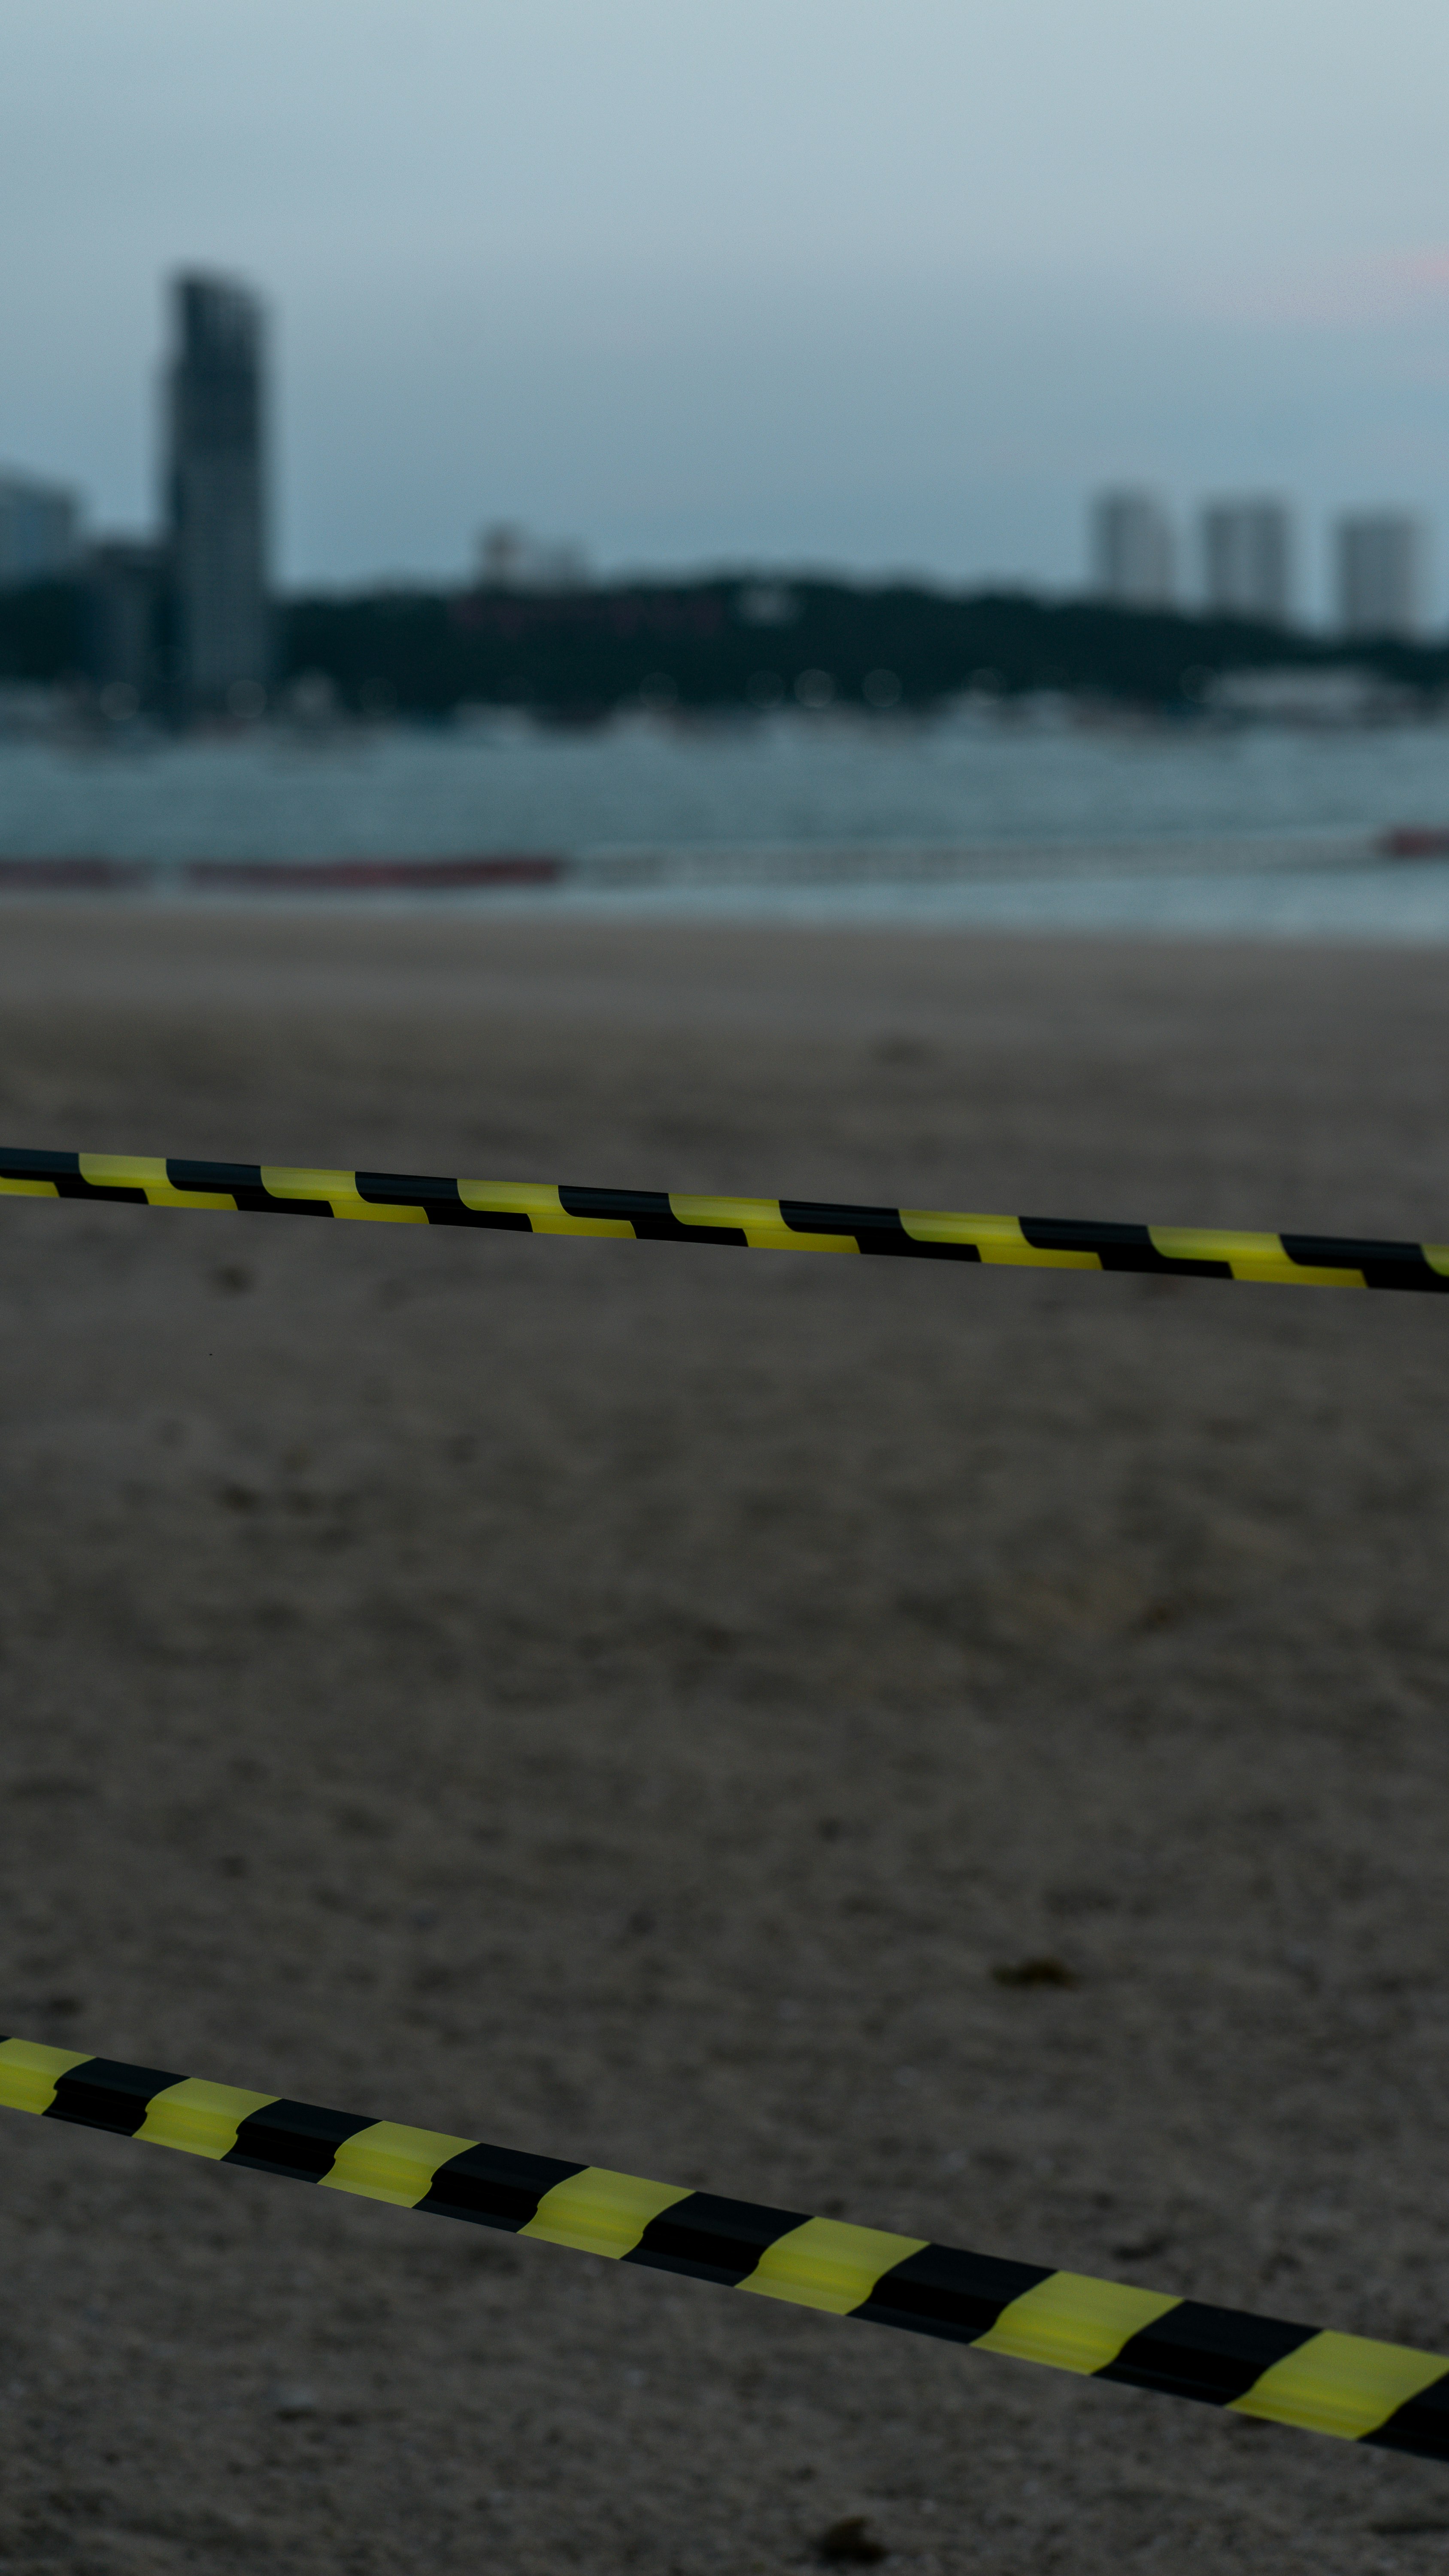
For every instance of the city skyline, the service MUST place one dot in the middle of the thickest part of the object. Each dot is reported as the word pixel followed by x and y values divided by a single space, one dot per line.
pixel 819 288
pixel 183 620
pixel 1231 555
pixel 1314 579
pixel 1248 562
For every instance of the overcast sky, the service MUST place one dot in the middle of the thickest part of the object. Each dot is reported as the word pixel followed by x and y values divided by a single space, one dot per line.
pixel 876 283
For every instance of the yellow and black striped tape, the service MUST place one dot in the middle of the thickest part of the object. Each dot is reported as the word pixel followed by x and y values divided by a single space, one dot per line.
pixel 761 1225
pixel 1382 2393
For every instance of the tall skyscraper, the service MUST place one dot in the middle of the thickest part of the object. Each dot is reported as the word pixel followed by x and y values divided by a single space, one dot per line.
pixel 1132 550
pixel 39 531
pixel 1381 574
pixel 1247 560
pixel 216 497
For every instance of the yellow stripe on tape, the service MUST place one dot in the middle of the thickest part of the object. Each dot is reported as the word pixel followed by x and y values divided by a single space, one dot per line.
pixel 1343 2384
pixel 1251 1256
pixel 996 1238
pixel 147 1172
pixel 198 2118
pixel 1299 1274
pixel 599 2212
pixel 789 1239
pixel 289 1181
pixel 29 1190
pixel 391 2162
pixel 1072 2322
pixel 1260 1257
pixel 759 1220
pixel 828 2264
pixel 539 1201
pixel 29 2073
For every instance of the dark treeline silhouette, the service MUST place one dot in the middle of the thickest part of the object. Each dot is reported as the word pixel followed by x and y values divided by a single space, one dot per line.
pixel 731 642
pixel 42 632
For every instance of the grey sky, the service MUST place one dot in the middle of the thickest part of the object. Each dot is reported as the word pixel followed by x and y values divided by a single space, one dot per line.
pixel 885 284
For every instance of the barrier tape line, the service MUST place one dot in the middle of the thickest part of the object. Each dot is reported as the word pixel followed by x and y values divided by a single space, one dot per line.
pixel 1348 2385
pixel 761 1225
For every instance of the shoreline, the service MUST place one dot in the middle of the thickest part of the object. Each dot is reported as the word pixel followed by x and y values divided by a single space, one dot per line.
pixel 1345 897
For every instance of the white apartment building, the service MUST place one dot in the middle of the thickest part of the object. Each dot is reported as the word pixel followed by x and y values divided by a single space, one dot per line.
pixel 1380 569
pixel 1247 560
pixel 39 531
pixel 1133 556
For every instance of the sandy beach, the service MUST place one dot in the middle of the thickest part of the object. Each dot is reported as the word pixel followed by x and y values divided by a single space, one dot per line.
pixel 627 1704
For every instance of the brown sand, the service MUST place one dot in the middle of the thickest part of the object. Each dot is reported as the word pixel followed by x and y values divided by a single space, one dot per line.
pixel 625 1703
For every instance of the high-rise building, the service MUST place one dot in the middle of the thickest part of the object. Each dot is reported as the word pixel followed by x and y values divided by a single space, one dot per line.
pixel 39 531
pixel 1380 573
pixel 1247 560
pixel 216 497
pixel 1132 550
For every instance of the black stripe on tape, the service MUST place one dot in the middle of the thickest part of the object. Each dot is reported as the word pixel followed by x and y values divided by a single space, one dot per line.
pixel 1421 2425
pixel 1117 1247
pixel 20 1164
pixel 649 1213
pixel 242 1182
pixel 1212 2353
pixel 494 2186
pixel 293 2138
pixel 106 2093
pixel 1384 1265
pixel 875 1229
pixel 441 1199
pixel 941 2292
pixel 260 1202
pixel 713 2239
pixel 834 1216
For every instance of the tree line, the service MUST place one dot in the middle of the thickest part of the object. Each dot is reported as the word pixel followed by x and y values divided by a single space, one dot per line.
pixel 730 641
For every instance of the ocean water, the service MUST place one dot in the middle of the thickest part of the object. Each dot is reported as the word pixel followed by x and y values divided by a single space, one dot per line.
pixel 966 818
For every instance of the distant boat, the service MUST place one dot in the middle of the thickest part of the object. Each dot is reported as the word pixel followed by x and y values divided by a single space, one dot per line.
pixel 75 876
pixel 279 876
pixel 1415 841
pixel 373 876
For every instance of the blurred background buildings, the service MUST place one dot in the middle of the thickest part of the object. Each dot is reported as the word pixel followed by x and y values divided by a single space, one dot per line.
pixel 1381 568
pixel 125 623
pixel 180 619
pixel 216 499
pixel 1247 555
pixel 1134 558
pixel 39 531
pixel 1247 560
